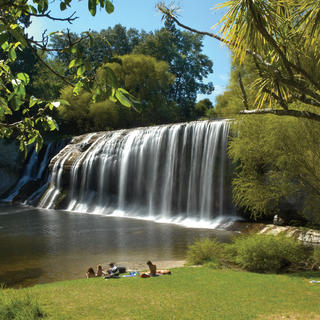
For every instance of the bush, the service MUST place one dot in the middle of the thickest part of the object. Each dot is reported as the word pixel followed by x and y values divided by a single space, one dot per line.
pixel 267 253
pixel 315 258
pixel 205 251
pixel 17 308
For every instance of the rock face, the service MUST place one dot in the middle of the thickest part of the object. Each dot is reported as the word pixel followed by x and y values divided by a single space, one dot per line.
pixel 11 164
pixel 306 236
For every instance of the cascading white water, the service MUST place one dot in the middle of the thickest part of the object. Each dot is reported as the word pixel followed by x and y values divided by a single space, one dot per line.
pixel 170 173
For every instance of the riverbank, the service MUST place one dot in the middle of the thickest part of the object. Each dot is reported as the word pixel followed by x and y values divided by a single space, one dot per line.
pixel 189 293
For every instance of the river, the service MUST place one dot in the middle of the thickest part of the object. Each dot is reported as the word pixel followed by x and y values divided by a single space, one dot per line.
pixel 41 246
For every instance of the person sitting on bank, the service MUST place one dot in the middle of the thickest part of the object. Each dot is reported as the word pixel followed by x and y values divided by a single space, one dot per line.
pixel 90 273
pixel 152 268
pixel 99 272
pixel 113 271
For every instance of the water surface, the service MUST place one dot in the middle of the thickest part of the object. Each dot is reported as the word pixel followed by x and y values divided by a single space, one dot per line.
pixel 39 246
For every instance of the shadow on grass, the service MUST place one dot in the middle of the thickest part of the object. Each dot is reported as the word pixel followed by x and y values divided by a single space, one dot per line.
pixel 305 274
pixel 20 278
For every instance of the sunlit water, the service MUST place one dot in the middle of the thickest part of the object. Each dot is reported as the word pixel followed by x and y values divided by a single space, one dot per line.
pixel 39 246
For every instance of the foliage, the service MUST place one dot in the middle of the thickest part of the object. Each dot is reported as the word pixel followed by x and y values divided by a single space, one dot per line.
pixel 74 115
pixel 267 253
pixel 145 77
pixel 105 115
pixel 183 52
pixel 277 165
pixel 203 107
pixel 204 251
pixel 24 307
pixel 101 46
pixel 23 115
pixel 282 37
pixel 230 103
pixel 316 256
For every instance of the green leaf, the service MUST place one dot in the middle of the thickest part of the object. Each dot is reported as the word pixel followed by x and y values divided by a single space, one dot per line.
pixel 19 36
pixel 81 69
pixel 129 95
pixel 24 77
pixel 65 102
pixel 51 123
pixel 5 46
pixel 72 63
pixel 4 109
pixel 77 88
pixel 101 3
pixel 33 100
pixel 12 54
pixel 20 91
pixel 123 99
pixel 111 77
pixel 109 6
pixel 39 143
pixel 63 6
pixel 32 140
pixel 92 5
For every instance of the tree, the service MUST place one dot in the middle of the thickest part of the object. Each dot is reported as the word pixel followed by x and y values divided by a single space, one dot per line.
pixel 282 37
pixel 183 52
pixel 230 103
pixel 14 16
pixel 100 47
pixel 277 170
pixel 146 78
pixel 203 108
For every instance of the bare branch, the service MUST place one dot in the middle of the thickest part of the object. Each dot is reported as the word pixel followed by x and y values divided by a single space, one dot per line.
pixel 43 46
pixel 63 78
pixel 166 11
pixel 69 19
pixel 278 112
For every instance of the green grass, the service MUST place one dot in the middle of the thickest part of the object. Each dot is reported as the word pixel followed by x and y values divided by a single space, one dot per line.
pixel 189 293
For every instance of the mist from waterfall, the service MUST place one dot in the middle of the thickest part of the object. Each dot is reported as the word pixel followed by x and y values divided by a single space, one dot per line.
pixel 171 173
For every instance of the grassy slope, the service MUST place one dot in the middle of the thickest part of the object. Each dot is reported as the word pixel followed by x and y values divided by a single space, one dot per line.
pixel 189 293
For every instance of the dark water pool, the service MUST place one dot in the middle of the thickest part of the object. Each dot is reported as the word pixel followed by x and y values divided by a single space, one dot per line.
pixel 39 246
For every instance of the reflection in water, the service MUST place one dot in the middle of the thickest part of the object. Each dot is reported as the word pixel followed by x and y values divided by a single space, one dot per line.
pixel 38 246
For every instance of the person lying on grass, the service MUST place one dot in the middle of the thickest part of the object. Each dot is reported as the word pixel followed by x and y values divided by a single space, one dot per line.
pixel 153 271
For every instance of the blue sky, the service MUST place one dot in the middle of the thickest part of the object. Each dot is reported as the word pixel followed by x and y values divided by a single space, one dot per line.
pixel 142 14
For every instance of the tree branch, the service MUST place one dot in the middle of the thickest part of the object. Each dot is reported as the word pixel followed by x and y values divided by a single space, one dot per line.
pixel 244 94
pixel 167 12
pixel 69 19
pixel 278 112
pixel 63 78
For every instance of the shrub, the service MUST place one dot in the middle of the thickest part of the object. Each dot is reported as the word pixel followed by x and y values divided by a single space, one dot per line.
pixel 23 307
pixel 315 258
pixel 204 251
pixel 267 253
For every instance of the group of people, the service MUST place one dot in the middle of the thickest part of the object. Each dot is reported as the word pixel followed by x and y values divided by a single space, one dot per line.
pixel 113 271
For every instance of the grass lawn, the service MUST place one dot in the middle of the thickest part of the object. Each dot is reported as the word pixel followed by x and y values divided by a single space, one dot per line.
pixel 189 293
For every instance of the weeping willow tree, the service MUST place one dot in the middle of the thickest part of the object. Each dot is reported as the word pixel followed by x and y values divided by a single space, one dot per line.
pixel 282 38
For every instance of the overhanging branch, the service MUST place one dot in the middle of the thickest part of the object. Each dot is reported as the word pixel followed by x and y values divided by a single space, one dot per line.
pixel 278 112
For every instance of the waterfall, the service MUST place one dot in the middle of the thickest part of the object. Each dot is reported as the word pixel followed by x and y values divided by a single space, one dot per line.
pixel 176 172
pixel 34 179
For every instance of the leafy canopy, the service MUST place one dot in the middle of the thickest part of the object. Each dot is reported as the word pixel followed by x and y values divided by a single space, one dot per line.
pixel 283 39
pixel 23 115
